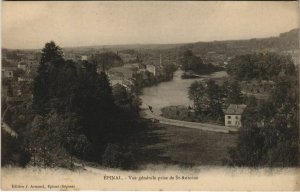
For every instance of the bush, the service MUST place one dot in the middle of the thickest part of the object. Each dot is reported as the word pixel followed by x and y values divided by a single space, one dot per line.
pixel 12 152
pixel 117 157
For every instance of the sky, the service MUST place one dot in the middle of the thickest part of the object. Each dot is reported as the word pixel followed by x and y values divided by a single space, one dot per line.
pixel 29 25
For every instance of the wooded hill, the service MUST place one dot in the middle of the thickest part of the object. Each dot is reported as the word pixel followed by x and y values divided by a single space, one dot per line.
pixel 285 41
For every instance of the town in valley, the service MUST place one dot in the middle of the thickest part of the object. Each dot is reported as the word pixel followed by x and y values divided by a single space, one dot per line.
pixel 231 103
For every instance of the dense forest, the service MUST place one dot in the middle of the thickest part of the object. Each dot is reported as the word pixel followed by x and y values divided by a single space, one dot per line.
pixel 262 66
pixel 209 98
pixel 285 41
pixel 270 132
pixel 75 113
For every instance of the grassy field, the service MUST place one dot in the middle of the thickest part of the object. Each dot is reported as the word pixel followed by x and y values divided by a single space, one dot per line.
pixel 163 144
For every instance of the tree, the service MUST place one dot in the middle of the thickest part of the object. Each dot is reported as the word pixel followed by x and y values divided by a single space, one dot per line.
pixel 120 95
pixel 191 62
pixel 117 157
pixel 169 70
pixel 196 94
pixel 73 101
pixel 51 52
pixel 267 110
pixel 195 64
pixel 107 60
pixel 51 58
pixel 214 96
pixel 270 132
pixel 249 150
pixel 213 91
pixel 263 66
pixel 206 98
pixel 13 151
pixel 105 90
pixel 234 93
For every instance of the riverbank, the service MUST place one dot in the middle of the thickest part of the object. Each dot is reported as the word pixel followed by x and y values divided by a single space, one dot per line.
pixel 174 92
pixel 194 75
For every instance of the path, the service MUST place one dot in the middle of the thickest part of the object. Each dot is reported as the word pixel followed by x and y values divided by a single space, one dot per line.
pixel 193 125
pixel 8 129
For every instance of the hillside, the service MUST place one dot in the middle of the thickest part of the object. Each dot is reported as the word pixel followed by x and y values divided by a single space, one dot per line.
pixel 283 42
pixel 287 40
pixel 216 52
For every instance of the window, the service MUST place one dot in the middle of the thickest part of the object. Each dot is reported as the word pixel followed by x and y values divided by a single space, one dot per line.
pixel 236 117
pixel 228 122
pixel 228 117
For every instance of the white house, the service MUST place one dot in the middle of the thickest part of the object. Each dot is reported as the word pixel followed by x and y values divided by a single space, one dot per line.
pixel 151 68
pixel 84 58
pixel 233 115
pixel 22 66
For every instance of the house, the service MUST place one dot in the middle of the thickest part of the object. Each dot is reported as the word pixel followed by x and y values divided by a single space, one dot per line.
pixel 25 79
pixel 7 73
pixel 22 66
pixel 84 58
pixel 233 115
pixel 125 73
pixel 114 82
pixel 132 66
pixel 151 68
pixel 127 83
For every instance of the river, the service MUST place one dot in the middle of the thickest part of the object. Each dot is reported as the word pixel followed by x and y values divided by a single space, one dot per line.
pixel 173 92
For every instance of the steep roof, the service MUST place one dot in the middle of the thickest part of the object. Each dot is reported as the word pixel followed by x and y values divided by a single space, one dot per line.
pixel 234 109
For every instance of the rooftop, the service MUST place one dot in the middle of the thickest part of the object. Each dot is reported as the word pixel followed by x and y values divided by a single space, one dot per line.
pixel 127 72
pixel 234 109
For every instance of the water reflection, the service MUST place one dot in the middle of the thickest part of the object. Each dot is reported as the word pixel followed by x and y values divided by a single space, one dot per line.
pixel 174 92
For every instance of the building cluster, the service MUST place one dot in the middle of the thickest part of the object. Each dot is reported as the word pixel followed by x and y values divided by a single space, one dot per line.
pixel 17 77
pixel 126 75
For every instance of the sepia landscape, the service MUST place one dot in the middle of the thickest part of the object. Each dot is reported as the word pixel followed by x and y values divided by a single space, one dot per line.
pixel 134 106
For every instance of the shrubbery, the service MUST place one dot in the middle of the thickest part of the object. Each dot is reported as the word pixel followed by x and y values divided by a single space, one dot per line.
pixel 261 66
pixel 270 132
pixel 13 151
pixel 116 156
pixel 191 62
